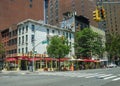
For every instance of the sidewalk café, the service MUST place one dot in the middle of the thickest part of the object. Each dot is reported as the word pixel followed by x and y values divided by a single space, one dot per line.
pixel 25 63
pixel 48 63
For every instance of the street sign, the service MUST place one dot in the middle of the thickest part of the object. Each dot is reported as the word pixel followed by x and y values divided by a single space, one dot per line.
pixel 44 41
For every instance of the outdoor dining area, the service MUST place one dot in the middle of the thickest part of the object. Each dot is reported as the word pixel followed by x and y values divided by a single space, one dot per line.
pixel 48 63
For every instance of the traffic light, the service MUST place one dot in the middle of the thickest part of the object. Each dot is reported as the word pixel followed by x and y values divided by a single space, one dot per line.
pixel 96 15
pixel 102 13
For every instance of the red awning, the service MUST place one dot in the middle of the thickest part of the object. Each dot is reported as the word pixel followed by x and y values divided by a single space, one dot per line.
pixel 63 59
pixel 88 60
pixel 35 59
pixel 49 59
pixel 9 59
pixel 22 57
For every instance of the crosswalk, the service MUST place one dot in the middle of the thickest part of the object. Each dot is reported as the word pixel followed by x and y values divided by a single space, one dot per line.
pixel 102 76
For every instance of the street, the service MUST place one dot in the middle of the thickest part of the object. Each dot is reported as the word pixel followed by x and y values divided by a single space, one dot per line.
pixel 95 77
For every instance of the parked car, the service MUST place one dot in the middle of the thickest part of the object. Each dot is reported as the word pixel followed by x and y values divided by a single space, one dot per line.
pixel 111 65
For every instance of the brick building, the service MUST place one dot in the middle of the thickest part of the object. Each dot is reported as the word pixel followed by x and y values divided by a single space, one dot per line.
pixel 56 8
pixel 112 16
pixel 14 11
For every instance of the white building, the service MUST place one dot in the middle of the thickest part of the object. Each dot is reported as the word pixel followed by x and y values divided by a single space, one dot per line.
pixel 31 33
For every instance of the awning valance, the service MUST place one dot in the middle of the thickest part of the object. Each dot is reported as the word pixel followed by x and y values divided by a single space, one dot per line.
pixel 9 59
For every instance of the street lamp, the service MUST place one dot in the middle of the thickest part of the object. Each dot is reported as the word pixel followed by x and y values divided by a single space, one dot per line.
pixel 33 52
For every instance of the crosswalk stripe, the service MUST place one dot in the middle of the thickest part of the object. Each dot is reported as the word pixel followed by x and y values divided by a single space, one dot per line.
pixel 104 76
pixel 116 79
pixel 85 75
pixel 110 77
pixel 95 75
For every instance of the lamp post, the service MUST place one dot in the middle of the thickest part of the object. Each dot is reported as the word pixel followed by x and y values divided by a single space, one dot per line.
pixel 33 52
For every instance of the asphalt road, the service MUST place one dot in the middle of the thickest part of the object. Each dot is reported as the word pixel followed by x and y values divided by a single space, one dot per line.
pixel 98 77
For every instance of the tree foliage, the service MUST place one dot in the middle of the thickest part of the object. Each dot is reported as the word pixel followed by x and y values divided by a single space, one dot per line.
pixel 113 44
pixel 88 42
pixel 58 47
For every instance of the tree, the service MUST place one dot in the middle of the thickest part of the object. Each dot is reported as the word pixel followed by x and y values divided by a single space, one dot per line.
pixel 113 45
pixel 58 47
pixel 88 43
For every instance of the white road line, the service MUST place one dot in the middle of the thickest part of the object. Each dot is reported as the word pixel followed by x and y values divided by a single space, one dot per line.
pixel 95 75
pixel 104 76
pixel 116 79
pixel 109 77
pixel 85 75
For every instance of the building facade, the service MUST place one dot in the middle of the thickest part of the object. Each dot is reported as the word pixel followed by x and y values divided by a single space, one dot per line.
pixel 9 39
pixel 21 38
pixel 14 11
pixel 112 16
pixel 32 33
pixel 56 9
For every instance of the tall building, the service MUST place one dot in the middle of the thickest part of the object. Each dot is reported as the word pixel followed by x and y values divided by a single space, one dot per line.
pixel 14 11
pixel 56 9
pixel 112 16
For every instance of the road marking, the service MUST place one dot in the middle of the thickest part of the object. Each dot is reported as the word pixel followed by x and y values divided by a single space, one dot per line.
pixel 95 75
pixel 116 79
pixel 109 77
pixel 84 75
pixel 104 76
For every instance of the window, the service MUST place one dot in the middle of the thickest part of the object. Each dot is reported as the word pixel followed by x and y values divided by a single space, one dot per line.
pixel 19 30
pixel 30 0
pixel 47 31
pixel 33 28
pixel 32 38
pixel 10 35
pixel 19 40
pixel 53 31
pixel 30 5
pixel 66 34
pixel 70 35
pixel 26 50
pixel 19 51
pixel 26 28
pixel 22 39
pixel 26 38
pixel 22 50
pixel 23 30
